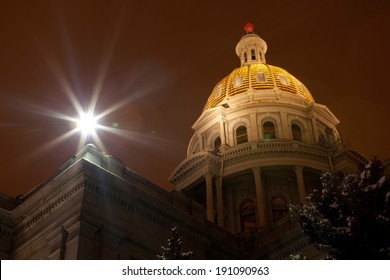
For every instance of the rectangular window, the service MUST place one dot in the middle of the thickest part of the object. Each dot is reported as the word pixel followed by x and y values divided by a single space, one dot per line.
pixel 261 77
pixel 237 81
pixel 283 79
pixel 219 91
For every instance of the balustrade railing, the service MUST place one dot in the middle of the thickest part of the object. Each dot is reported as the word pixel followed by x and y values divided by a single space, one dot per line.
pixel 280 146
pixel 253 149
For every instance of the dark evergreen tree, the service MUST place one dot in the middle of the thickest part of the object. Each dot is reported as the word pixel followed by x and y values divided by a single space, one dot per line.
pixel 349 216
pixel 174 249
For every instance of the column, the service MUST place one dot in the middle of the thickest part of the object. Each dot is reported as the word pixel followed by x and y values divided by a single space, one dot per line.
pixel 221 218
pixel 209 197
pixel 231 224
pixel 301 184
pixel 260 198
pixel 237 217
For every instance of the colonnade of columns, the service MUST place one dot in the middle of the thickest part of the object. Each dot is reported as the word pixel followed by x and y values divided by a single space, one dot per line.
pixel 261 203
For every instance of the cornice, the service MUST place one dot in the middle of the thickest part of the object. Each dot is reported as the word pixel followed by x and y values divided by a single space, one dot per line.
pixel 31 220
pixel 192 163
pixel 352 155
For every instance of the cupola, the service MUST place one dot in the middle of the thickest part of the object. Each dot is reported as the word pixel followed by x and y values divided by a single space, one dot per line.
pixel 251 48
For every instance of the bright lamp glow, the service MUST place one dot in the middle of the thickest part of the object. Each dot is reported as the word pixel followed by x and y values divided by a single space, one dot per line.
pixel 87 123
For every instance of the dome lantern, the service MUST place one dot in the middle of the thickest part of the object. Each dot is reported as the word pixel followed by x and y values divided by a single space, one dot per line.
pixel 251 48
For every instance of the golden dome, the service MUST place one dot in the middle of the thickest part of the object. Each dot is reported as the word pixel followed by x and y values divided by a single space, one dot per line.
pixel 256 76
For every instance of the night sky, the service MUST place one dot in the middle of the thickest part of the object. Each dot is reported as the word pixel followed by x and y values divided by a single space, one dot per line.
pixel 160 60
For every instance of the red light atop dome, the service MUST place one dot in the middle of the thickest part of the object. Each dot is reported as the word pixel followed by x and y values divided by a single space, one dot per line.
pixel 249 27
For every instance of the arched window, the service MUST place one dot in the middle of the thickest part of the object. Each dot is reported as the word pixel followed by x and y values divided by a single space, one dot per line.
pixel 322 139
pixel 253 54
pixel 326 137
pixel 217 142
pixel 245 57
pixel 279 208
pixel 296 132
pixel 248 216
pixel 269 131
pixel 241 135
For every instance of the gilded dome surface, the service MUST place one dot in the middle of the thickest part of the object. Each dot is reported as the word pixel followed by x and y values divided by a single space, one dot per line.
pixel 256 76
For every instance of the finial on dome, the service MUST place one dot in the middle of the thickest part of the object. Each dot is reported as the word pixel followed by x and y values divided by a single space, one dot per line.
pixel 249 28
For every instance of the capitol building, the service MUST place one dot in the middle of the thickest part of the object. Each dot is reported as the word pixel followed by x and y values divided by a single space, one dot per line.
pixel 260 144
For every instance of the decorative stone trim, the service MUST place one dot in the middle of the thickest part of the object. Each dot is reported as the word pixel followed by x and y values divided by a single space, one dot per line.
pixel 189 162
pixel 252 151
pixel 27 224
pixel 351 155
pixel 192 164
pixel 132 207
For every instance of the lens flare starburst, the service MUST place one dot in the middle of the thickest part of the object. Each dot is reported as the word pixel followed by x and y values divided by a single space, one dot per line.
pixel 87 123
pixel 88 120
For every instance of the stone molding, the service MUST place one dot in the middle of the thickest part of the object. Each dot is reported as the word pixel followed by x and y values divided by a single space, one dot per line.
pixel 251 150
pixel 26 224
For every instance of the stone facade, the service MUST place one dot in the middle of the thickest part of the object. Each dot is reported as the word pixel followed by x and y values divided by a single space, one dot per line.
pixel 86 211
pixel 96 208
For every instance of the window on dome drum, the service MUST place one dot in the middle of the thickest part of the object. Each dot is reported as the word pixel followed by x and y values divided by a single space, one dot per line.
pixel 237 81
pixel 217 142
pixel 260 77
pixel 296 132
pixel 253 54
pixel 219 91
pixel 269 131
pixel 279 208
pixel 241 135
pixel 245 57
pixel 283 79
pixel 322 139
pixel 248 216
